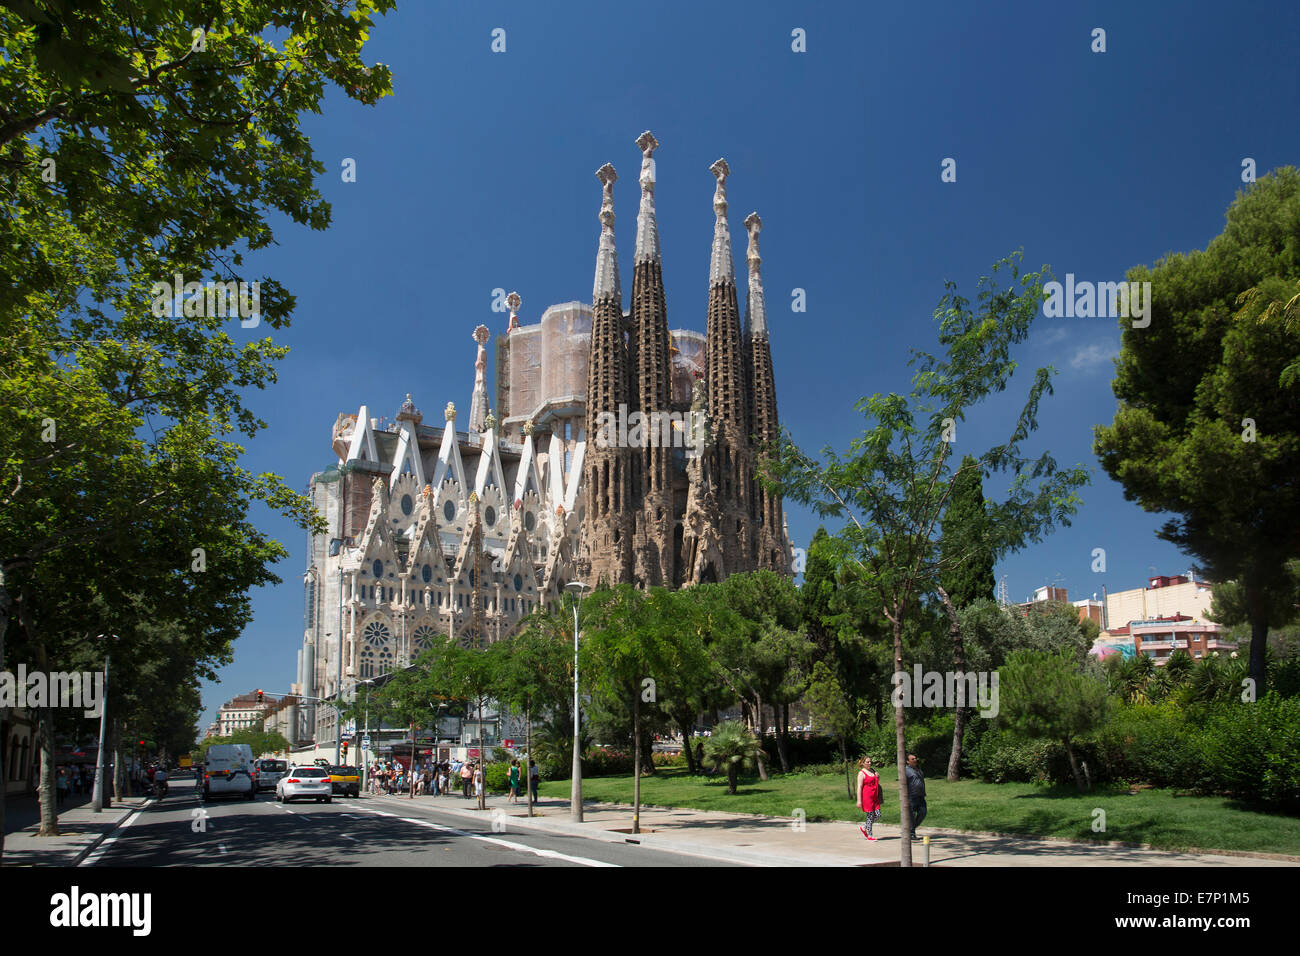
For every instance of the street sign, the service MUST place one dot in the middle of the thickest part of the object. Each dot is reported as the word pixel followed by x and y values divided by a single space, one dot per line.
pixel 365 742
pixel 508 743
pixel 349 728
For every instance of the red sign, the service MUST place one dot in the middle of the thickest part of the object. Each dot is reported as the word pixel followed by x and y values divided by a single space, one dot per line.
pixel 473 753
pixel 508 744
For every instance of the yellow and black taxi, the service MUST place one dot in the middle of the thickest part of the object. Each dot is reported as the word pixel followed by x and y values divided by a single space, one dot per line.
pixel 345 781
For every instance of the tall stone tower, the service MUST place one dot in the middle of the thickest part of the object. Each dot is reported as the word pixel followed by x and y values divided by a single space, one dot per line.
pixel 608 522
pixel 653 560
pixel 728 386
pixel 763 425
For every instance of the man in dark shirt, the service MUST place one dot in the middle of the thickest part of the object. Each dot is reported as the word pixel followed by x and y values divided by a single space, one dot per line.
pixel 915 791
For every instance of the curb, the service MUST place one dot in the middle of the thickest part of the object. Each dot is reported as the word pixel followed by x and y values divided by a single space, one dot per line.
pixel 661 844
pixel 90 848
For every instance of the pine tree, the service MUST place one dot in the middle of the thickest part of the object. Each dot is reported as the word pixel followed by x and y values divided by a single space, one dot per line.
pixel 968 558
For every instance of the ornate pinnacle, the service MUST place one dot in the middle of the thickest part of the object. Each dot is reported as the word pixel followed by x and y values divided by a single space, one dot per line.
pixel 514 302
pixel 607 253
pixel 607 177
pixel 647 229
pixel 450 411
pixel 720 266
pixel 721 171
pixel 756 314
pixel 753 226
pixel 482 335
pixel 490 422
pixel 528 427
pixel 647 143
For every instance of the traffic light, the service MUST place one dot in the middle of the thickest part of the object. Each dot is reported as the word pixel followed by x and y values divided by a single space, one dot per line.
pixel 259 696
pixel 142 743
pixel 345 751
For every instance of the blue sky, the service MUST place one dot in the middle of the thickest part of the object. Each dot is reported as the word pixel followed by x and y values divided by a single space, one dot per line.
pixel 478 173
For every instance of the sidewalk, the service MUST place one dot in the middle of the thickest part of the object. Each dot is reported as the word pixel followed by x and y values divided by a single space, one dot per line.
pixel 80 828
pixel 776 841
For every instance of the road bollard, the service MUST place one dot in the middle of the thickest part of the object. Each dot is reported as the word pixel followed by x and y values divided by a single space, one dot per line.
pixel 925 840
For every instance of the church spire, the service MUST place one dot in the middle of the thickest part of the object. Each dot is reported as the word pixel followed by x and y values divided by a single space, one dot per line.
pixel 606 254
pixel 756 309
pixel 478 405
pixel 647 228
pixel 720 266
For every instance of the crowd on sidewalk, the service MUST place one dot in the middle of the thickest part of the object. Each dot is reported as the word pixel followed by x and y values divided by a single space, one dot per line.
pixel 441 778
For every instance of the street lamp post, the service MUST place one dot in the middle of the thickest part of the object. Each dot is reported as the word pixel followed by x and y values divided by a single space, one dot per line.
pixel 577 589
pixel 99 759
pixel 365 754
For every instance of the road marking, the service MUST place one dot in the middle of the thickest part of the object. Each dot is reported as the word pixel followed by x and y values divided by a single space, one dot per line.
pixel 348 837
pixel 94 857
pixel 507 844
pixel 221 847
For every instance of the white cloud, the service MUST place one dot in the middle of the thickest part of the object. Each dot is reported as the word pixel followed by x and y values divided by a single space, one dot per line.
pixel 1091 357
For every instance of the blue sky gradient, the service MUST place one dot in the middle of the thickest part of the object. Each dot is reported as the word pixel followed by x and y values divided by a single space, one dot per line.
pixel 478 173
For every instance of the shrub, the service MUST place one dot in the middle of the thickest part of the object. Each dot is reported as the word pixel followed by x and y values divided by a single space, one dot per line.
pixel 1001 757
pixel 802 750
pixel 1144 743
pixel 1253 751
pixel 497 776
pixel 668 759
pixel 602 762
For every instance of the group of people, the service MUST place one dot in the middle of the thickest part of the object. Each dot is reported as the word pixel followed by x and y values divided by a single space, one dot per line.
pixel 871 796
pixel 442 777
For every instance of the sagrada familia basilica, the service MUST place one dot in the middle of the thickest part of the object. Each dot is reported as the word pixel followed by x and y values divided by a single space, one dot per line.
pixel 464 529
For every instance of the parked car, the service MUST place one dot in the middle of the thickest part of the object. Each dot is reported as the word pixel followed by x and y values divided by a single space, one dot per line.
pixel 229 771
pixel 345 781
pixel 312 783
pixel 269 772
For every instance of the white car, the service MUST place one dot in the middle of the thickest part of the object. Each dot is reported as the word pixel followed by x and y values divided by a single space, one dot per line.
pixel 311 783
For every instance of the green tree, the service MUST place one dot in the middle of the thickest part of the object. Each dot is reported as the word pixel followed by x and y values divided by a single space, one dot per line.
pixel 831 712
pixel 968 575
pixel 733 747
pixel 1218 444
pixel 894 485
pixel 1047 696
pixel 138 142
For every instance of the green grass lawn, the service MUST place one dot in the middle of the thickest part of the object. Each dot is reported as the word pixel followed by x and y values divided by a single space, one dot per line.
pixel 1162 818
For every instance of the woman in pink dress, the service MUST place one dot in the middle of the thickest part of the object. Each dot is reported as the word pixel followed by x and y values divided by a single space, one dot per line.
pixel 870 796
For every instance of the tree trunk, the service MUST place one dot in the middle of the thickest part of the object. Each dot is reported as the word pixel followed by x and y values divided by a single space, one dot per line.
pixel 1074 766
pixel 1258 642
pixel 844 755
pixel 959 710
pixel 762 763
pixel 900 744
pixel 410 773
pixel 528 738
pixel 4 774
pixel 44 733
pixel 119 763
pixel 782 739
pixel 731 777
pixel 636 760
pixel 686 747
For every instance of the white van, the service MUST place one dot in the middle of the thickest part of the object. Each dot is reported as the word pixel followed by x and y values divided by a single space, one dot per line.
pixel 229 772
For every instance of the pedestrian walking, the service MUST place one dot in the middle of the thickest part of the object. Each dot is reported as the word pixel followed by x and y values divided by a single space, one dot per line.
pixel 478 780
pixel 915 791
pixel 870 796
pixel 61 784
pixel 534 777
pixel 514 781
pixel 466 772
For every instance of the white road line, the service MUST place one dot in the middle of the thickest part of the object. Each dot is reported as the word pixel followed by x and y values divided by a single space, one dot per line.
pixel 221 847
pixel 349 837
pixel 94 857
pixel 520 847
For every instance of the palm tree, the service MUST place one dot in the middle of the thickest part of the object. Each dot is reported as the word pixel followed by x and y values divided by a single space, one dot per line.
pixel 732 746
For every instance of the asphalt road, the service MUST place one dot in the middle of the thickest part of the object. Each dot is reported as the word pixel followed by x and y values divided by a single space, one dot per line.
pixel 181 830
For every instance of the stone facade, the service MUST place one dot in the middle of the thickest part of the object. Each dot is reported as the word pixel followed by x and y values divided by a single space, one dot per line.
pixel 441 531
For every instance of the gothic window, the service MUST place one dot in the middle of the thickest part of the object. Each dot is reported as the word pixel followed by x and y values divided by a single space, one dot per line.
pixel 408 504
pixel 423 637
pixel 378 568
pixel 530 521
pixel 449 511
pixel 490 516
pixel 426 572
pixel 519 582
pixel 376 634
